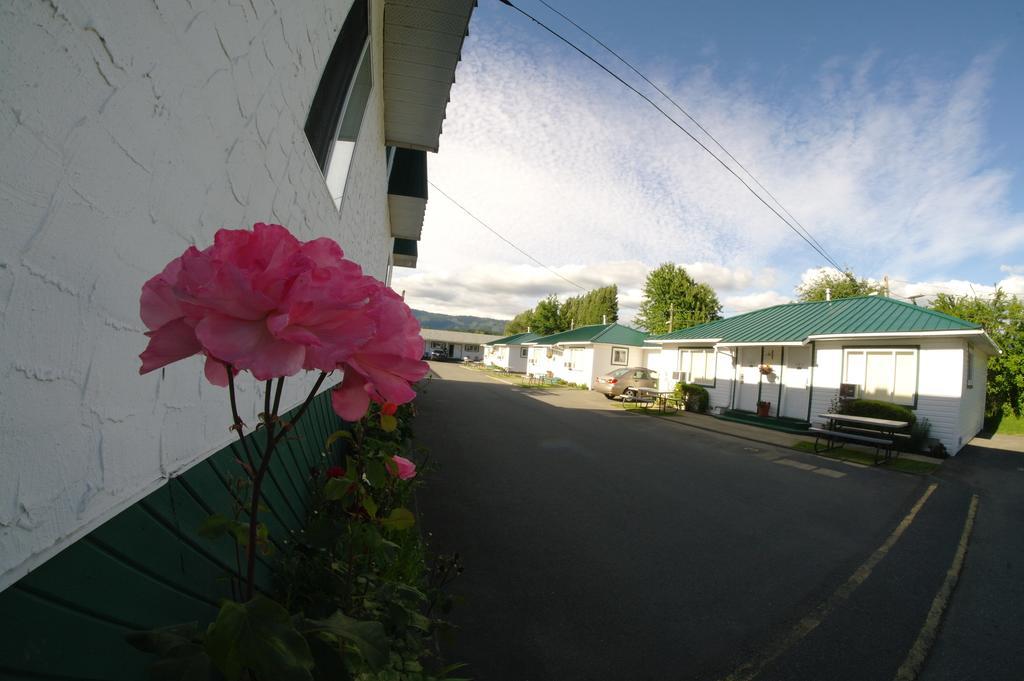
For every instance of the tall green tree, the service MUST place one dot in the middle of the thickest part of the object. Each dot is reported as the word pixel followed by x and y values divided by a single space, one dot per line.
pixel 840 284
pixel 1002 317
pixel 546 320
pixel 593 307
pixel 671 295
pixel 521 323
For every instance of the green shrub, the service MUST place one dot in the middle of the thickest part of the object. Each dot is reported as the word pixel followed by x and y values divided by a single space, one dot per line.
pixel 919 432
pixel 877 409
pixel 695 397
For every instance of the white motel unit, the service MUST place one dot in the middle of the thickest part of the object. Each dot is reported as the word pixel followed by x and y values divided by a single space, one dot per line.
pixel 799 356
pixel 509 353
pixel 582 354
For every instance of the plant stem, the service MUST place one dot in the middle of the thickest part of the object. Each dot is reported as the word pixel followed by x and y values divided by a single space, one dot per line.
pixel 273 438
pixel 238 425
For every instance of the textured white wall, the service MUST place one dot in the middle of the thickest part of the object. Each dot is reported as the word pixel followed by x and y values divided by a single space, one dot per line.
pixel 129 130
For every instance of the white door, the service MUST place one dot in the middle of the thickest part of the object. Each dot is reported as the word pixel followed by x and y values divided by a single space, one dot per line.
pixel 748 377
pixel 796 382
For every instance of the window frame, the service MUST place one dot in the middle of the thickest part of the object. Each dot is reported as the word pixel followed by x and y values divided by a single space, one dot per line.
pixel 894 349
pixel 524 352
pixel 689 373
pixel 624 362
pixel 332 98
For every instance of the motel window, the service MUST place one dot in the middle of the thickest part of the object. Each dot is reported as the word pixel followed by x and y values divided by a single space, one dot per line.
pixel 471 348
pixel 620 356
pixel 883 374
pixel 697 366
pixel 524 352
pixel 340 101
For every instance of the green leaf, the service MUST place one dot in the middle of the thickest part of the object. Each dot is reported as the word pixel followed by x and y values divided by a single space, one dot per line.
pixel 369 638
pixel 217 526
pixel 399 519
pixel 337 435
pixel 336 489
pixel 180 651
pixel 388 423
pixel 375 472
pixel 258 636
pixel 370 505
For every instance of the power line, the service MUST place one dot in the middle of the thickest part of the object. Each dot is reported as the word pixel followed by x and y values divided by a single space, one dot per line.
pixel 686 113
pixel 676 123
pixel 497 234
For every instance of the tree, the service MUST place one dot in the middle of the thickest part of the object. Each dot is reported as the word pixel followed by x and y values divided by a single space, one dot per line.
pixel 521 323
pixel 545 316
pixel 840 284
pixel 593 307
pixel 672 294
pixel 1002 317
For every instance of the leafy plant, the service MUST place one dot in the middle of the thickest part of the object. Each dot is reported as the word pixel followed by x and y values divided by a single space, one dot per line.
pixel 695 397
pixel 877 409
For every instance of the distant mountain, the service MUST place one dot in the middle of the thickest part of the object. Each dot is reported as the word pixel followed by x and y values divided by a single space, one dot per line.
pixel 436 320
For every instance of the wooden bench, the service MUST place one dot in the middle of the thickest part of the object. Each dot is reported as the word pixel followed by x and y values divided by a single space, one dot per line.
pixel 879 443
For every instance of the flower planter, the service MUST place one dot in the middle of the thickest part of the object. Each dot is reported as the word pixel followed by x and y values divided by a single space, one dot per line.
pixel 764 408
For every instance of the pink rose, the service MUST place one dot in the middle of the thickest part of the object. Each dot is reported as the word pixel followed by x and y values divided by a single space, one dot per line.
pixel 260 300
pixel 403 469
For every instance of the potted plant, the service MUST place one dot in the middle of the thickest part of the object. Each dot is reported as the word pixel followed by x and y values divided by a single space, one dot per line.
pixel 765 369
pixel 763 408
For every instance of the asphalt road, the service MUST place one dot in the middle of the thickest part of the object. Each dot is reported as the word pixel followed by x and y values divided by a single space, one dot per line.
pixel 600 544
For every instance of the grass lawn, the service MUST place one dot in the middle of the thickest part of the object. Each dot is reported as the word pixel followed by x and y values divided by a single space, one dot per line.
pixel 868 459
pixel 1011 425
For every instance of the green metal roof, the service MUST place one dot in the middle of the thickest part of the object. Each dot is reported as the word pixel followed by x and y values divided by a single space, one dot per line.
pixel 515 339
pixel 616 334
pixel 795 322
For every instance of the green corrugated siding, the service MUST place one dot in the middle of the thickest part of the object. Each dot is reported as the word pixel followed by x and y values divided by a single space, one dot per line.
pixel 794 322
pixel 147 567
pixel 515 339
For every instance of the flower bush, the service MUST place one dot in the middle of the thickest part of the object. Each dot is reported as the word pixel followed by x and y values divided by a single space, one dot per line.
pixel 263 302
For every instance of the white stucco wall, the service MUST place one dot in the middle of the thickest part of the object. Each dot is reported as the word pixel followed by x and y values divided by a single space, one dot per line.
pixel 972 413
pixel 129 130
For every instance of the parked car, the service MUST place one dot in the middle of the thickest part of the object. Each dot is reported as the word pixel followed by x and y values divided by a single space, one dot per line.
pixel 625 381
pixel 438 354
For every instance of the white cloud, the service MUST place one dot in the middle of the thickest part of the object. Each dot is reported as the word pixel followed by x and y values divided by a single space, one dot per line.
pixel 887 168
pixel 754 301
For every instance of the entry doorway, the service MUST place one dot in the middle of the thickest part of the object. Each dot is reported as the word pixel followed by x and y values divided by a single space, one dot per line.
pixel 796 382
pixel 748 378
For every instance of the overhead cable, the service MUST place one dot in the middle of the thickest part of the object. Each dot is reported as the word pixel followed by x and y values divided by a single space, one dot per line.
pixel 500 236
pixel 817 249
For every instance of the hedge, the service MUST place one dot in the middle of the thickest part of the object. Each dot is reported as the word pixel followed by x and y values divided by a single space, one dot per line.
pixel 694 396
pixel 877 409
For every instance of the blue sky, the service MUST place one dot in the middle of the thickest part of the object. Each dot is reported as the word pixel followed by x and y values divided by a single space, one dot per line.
pixel 893 132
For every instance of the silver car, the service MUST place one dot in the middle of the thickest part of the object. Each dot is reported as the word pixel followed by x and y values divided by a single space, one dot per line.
pixel 625 381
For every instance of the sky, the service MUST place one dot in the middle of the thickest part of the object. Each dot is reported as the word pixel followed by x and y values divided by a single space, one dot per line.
pixel 894 133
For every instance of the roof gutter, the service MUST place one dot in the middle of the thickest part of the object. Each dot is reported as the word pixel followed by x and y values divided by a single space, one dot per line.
pixel 912 334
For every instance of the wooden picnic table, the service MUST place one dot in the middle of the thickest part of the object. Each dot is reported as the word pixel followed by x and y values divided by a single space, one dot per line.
pixel 840 425
pixel 658 399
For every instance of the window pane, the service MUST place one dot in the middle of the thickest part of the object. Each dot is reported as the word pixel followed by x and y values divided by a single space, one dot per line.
pixel 345 144
pixel 879 376
pixel 855 368
pixel 906 377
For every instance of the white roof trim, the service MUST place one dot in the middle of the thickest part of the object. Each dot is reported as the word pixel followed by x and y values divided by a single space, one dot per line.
pixel 909 334
pixel 686 341
pixel 760 344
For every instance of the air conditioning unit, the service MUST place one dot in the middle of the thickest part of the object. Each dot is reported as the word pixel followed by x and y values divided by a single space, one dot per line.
pixel 849 391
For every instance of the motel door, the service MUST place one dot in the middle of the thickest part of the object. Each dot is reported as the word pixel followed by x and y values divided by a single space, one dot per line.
pixel 748 377
pixel 796 382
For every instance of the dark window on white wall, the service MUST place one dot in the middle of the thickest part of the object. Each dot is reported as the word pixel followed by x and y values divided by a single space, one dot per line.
pixel 340 100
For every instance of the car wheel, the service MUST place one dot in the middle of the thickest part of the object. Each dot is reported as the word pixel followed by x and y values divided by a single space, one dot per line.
pixel 629 393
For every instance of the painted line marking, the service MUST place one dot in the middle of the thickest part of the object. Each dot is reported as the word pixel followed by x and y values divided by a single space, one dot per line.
pixel 829 473
pixel 795 464
pixel 749 670
pixel 911 667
